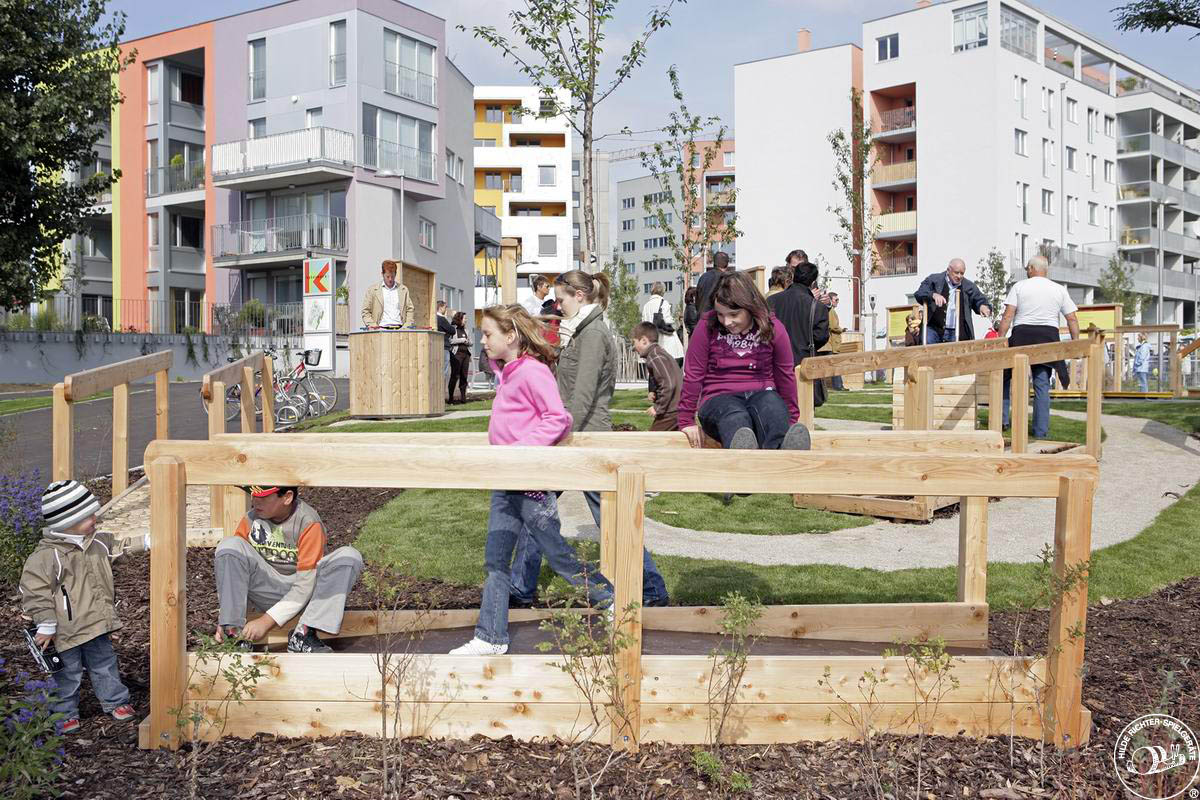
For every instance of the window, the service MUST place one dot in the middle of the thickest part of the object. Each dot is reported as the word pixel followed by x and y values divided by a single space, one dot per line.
pixel 547 245
pixel 337 53
pixel 1109 171
pixel 1021 94
pixel 258 69
pixel 1047 157
pixel 258 128
pixel 547 107
pixel 1018 33
pixel 493 114
pixel 408 68
pixel 426 233
pixel 1092 170
pixel 152 84
pixel 1047 202
pixel 397 142
pixel 888 47
pixel 547 175
pixel 970 27
pixel 514 183
pixel 1023 200
pixel 187 232
pixel 485 142
pixel 728 157
pixel 449 163
pixel 1110 124
pixel 654 198
pixel 1072 111
pixel 628 247
pixel 628 224
pixel 492 180
pixel 187 87
pixel 575 199
pixel 1093 214
pixel 1019 144
pixel 152 229
pixel 1071 159
pixel 458 168
pixel 312 117
pixel 1072 213
pixel 1050 109
pixel 575 230
pixel 657 241
pixel 1111 221
pixel 1091 124
pixel 649 221
pixel 627 202
pixel 695 160
pixel 575 168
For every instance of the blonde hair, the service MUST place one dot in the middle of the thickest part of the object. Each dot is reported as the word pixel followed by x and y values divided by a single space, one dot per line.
pixel 529 331
pixel 595 286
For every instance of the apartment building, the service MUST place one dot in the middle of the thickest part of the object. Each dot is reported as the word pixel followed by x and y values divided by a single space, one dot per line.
pixel 522 172
pixel 601 196
pixel 1039 139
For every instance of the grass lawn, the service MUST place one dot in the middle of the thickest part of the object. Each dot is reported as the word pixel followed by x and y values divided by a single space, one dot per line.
pixel 875 398
pixel 763 514
pixel 1184 415
pixel 14 405
pixel 1061 428
pixel 881 414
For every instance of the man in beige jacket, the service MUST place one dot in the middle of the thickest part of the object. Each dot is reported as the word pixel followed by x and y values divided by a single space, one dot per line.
pixel 387 304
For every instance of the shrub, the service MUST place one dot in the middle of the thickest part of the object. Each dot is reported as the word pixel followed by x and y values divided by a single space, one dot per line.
pixel 20 522
pixel 31 751
pixel 253 313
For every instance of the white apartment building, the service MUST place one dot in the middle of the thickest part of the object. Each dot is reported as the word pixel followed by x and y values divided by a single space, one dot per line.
pixel 523 173
pixel 1036 138
pixel 641 243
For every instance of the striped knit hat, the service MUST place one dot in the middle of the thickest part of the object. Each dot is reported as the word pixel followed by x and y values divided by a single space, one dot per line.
pixel 67 503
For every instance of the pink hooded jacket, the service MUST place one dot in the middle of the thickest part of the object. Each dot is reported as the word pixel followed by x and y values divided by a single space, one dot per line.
pixel 527 409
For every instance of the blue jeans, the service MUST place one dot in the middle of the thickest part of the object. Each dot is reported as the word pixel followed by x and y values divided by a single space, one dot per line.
pixel 763 411
pixel 101 662
pixel 527 566
pixel 1143 379
pixel 933 336
pixel 1041 399
pixel 532 514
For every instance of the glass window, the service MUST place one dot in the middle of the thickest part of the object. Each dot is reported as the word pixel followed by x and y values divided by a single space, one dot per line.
pixel 970 27
pixel 460 167
pixel 258 128
pixel 728 156
pixel 1072 213
pixel 491 180
pixel 1047 201
pixel 627 224
pixel 493 114
pixel 1019 144
pixel 1018 32
pixel 575 168
pixel 258 69
pixel 1071 159
pixel 485 142
pixel 1072 111
pixel 189 88
pixel 449 163
pixel 695 160
pixel 427 233
pixel 337 53
pixel 628 247
pixel 888 47
pixel 627 202
pixel 312 117
pixel 408 68
pixel 547 245
pixel 1109 169
pixel 188 232
pixel 1093 214
pixel 152 228
pixel 152 84
pixel 515 183
pixel 547 107
pixel 575 230
pixel 575 199
pixel 546 175
pixel 1109 124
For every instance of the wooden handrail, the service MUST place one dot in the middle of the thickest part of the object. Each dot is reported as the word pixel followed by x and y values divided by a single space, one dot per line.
pixel 1191 348
pixel 82 385
pixel 230 373
pixel 893 357
pixel 974 363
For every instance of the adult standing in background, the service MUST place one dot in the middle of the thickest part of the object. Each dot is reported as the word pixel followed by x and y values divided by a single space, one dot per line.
pixel 657 311
pixel 387 304
pixel 708 281
pixel 460 359
pixel 691 314
pixel 1032 309
pixel 781 278
pixel 804 318
pixel 949 298
pixel 834 345
pixel 445 328
pixel 1141 362
pixel 533 304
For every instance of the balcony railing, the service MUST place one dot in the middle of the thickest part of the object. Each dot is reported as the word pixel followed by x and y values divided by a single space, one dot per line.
pixel 102 314
pixel 411 162
pixel 895 265
pixel 894 173
pixel 1136 237
pixel 1134 191
pixel 287 149
pixel 897 119
pixel 1137 143
pixel 408 82
pixel 174 178
pixel 256 84
pixel 1065 67
pixel 258 237
pixel 337 69
pixel 897 222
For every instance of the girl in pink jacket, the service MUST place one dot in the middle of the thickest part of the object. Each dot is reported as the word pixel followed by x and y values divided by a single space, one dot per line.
pixel 527 411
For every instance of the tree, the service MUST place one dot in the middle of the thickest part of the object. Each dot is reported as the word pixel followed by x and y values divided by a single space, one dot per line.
pixel 679 162
pixel 58 90
pixel 853 159
pixel 1159 15
pixel 1116 286
pixel 567 42
pixel 623 309
pixel 993 280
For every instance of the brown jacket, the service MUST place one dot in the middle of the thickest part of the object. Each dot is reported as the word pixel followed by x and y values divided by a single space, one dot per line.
pixel 70 585
pixel 372 310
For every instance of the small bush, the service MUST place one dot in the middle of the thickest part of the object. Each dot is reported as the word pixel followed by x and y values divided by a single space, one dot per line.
pixel 20 522
pixel 31 751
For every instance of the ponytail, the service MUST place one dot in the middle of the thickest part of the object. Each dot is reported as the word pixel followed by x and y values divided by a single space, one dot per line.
pixel 602 291
pixel 595 286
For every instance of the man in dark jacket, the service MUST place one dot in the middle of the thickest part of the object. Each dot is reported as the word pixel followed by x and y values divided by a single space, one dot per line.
pixel 708 281
pixel 949 299
pixel 447 329
pixel 806 319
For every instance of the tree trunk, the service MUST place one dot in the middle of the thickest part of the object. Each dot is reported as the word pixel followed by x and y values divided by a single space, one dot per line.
pixel 587 199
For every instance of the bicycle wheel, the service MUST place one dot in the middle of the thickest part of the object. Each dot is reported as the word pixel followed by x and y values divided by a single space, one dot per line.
pixel 325 389
pixel 233 402
pixel 286 416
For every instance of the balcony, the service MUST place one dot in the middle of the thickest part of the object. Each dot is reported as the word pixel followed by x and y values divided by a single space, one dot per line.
pixel 261 241
pixel 309 155
pixel 410 83
pixel 487 228
pixel 897 225
pixel 895 265
pixel 1139 237
pixel 900 175
pixel 175 178
pixel 408 161
pixel 897 124
pixel 721 194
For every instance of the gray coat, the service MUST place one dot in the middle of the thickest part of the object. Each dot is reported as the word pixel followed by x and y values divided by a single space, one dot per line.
pixel 587 374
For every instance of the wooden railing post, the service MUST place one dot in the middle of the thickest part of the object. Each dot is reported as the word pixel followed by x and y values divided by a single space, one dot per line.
pixel 162 404
pixel 1176 367
pixel 1018 395
pixel 120 438
pixel 608 534
pixel 972 549
pixel 922 394
pixel 804 400
pixel 268 395
pixel 246 380
pixel 1068 614
pixel 216 425
pixel 168 611
pixel 996 400
pixel 1095 396
pixel 63 456
pixel 626 725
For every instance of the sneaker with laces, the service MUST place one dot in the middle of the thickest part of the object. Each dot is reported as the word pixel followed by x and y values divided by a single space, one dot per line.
pixel 69 726
pixel 478 647
pixel 307 642
pixel 123 713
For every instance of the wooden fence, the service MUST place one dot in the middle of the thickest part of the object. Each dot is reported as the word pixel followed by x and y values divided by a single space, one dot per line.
pixel 665 698
pixel 81 385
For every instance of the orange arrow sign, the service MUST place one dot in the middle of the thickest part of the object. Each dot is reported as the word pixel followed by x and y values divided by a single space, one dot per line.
pixel 316 283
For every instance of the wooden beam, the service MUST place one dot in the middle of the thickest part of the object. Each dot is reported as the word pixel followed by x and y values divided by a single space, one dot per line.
pixel 922 417
pixel 162 405
pixel 1146 329
pixel 626 724
pixel 1019 399
pixel 975 363
pixel 1191 348
pixel 216 426
pixel 1095 396
pixel 359 622
pixel 233 507
pixel 229 374
pixel 1176 366
pixel 996 401
pixel 63 456
pixel 268 395
pixel 892 358
pixel 246 399
pixel 120 438
pixel 972 551
pixel 82 385
pixel 806 400
pixel 608 534
pixel 763 471
pixel 1068 613
pixel 168 611
pixel 885 507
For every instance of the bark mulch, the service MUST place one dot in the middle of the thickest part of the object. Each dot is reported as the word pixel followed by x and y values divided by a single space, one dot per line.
pixel 1131 647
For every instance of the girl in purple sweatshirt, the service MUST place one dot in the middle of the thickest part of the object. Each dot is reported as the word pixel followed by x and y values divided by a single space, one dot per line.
pixel 738 378
pixel 527 411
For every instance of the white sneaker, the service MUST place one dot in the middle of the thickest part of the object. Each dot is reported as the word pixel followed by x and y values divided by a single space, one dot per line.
pixel 478 647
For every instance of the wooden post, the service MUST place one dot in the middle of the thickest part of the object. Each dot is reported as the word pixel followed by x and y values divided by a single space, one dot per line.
pixel 1176 367
pixel 910 400
pixel 233 509
pixel 922 416
pixel 608 534
pixel 1019 398
pixel 631 507
pixel 120 438
pixel 1095 396
pixel 996 400
pixel 804 401
pixel 168 611
pixel 268 395
pixel 1068 615
pixel 1118 358
pixel 63 455
pixel 216 424
pixel 972 549
pixel 162 404
pixel 509 256
pixel 247 399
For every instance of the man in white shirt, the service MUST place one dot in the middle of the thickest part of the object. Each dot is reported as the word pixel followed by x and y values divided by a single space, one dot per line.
pixel 541 288
pixel 387 304
pixel 1032 310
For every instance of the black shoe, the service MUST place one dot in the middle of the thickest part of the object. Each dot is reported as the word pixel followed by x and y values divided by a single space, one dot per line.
pixel 307 642
pixel 515 602
pixel 659 602
pixel 234 632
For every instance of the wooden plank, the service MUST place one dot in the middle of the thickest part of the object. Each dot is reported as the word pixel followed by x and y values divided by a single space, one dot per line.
pixel 1003 359
pixel 168 612
pixel 892 358
pixel 972 551
pixel 1095 390
pixel 268 395
pixel 805 400
pixel 120 438
pixel 960 624
pixel 996 401
pixel 63 447
pixel 229 374
pixel 763 471
pixel 1068 614
pixel 1019 398
pixel 887 507
pixel 216 426
pixel 359 622
pixel 922 417
pixel 1176 367
pixel 1191 348
pixel 233 508
pixel 1146 329
pixel 162 405
pixel 82 385
pixel 608 533
pixel 246 405
pixel 626 724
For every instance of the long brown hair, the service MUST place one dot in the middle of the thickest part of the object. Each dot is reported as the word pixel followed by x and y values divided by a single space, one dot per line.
pixel 529 331
pixel 737 291
pixel 594 285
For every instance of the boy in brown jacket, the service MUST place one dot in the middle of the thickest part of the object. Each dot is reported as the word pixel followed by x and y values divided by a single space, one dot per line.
pixel 67 590
pixel 668 378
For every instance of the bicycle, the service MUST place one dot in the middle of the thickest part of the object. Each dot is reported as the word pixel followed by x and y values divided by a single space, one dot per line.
pixel 298 393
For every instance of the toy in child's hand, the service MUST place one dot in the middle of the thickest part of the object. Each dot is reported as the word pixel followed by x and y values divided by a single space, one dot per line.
pixel 48 660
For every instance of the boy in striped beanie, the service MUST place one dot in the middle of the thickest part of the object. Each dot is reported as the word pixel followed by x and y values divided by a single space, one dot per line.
pixel 67 590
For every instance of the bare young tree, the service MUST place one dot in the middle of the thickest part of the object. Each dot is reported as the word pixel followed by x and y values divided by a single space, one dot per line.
pixel 566 40
pixel 853 159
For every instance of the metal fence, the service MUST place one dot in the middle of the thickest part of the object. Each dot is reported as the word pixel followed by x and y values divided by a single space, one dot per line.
pixel 255 319
pixel 382 154
pixel 174 178
pixel 64 313
pixel 408 82
pixel 283 149
pixel 279 234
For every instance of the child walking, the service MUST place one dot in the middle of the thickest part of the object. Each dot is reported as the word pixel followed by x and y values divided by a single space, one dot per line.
pixel 668 378
pixel 527 410
pixel 67 590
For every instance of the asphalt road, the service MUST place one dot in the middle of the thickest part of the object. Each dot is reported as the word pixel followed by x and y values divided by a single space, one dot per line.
pixel 28 433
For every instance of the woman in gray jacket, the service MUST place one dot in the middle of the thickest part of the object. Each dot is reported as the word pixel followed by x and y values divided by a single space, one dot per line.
pixel 587 376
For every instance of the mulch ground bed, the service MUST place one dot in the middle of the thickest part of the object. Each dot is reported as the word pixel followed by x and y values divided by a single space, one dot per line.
pixel 1140 654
